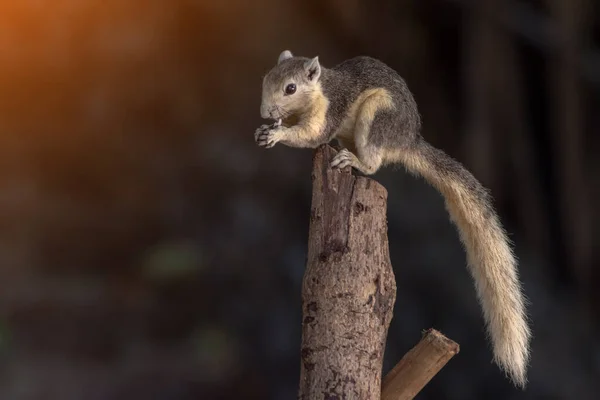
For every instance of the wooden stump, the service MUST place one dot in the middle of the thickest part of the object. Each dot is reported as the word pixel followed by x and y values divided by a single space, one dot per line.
pixel 349 288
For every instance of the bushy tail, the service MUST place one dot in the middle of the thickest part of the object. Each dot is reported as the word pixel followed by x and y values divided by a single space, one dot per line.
pixel 489 255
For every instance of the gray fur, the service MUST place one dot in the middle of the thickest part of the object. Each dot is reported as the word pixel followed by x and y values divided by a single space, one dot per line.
pixel 343 83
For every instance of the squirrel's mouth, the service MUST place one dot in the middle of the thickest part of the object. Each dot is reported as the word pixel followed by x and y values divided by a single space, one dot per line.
pixel 290 120
pixel 285 120
pixel 281 117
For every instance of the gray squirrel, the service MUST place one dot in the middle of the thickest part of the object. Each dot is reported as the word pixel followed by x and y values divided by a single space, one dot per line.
pixel 367 107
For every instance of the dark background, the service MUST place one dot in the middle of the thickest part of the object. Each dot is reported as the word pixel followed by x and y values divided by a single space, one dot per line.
pixel 150 250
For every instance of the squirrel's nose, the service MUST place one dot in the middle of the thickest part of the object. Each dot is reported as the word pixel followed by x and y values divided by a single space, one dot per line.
pixel 264 111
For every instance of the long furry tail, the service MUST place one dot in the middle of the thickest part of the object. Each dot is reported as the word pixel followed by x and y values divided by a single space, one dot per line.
pixel 489 254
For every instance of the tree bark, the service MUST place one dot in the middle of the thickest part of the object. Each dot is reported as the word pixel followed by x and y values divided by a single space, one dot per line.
pixel 349 288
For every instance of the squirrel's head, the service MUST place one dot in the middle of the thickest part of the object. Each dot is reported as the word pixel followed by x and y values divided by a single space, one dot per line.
pixel 290 87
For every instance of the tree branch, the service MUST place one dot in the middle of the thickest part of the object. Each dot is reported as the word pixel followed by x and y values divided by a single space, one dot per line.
pixel 418 366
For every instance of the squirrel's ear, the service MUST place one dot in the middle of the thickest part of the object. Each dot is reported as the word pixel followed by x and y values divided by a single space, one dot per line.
pixel 284 56
pixel 313 69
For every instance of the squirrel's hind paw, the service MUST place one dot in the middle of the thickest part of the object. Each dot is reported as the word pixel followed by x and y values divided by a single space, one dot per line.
pixel 343 159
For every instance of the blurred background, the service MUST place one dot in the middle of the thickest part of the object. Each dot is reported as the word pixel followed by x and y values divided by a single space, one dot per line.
pixel 150 250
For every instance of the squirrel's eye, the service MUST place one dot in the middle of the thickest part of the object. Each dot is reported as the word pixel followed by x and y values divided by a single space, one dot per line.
pixel 290 89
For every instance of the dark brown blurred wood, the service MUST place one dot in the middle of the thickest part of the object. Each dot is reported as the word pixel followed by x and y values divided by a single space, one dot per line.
pixel 418 366
pixel 523 178
pixel 499 143
pixel 349 288
pixel 567 128
pixel 538 30
pixel 480 146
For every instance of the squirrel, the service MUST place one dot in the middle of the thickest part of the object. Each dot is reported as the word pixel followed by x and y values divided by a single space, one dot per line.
pixel 367 107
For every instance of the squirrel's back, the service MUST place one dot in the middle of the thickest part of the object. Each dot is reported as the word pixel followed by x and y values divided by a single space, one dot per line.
pixel 369 72
pixel 345 82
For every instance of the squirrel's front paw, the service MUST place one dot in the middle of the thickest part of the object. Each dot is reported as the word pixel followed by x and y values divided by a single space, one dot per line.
pixel 268 139
pixel 268 135
pixel 260 132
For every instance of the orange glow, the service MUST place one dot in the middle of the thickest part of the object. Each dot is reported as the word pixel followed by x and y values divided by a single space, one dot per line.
pixel 63 60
